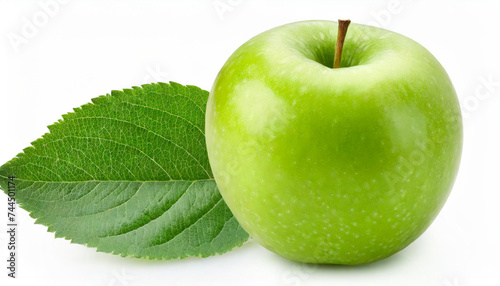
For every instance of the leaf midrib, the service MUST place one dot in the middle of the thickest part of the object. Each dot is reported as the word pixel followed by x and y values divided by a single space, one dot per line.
pixel 111 181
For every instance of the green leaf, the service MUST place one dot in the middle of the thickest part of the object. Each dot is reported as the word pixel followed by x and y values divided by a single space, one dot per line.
pixel 129 175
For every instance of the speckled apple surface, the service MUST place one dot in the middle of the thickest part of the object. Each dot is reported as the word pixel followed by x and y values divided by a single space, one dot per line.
pixel 322 165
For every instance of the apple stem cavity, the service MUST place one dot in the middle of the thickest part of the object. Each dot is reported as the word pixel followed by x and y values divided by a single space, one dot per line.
pixel 343 25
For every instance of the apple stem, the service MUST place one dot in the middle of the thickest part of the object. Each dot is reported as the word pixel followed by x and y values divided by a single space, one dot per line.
pixel 343 25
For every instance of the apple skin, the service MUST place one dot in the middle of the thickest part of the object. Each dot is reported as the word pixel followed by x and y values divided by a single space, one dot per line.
pixel 339 166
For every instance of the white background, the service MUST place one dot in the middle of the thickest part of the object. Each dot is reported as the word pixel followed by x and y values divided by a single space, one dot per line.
pixel 81 50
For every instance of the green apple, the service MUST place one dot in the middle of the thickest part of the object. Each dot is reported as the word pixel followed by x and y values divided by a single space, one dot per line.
pixel 344 166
